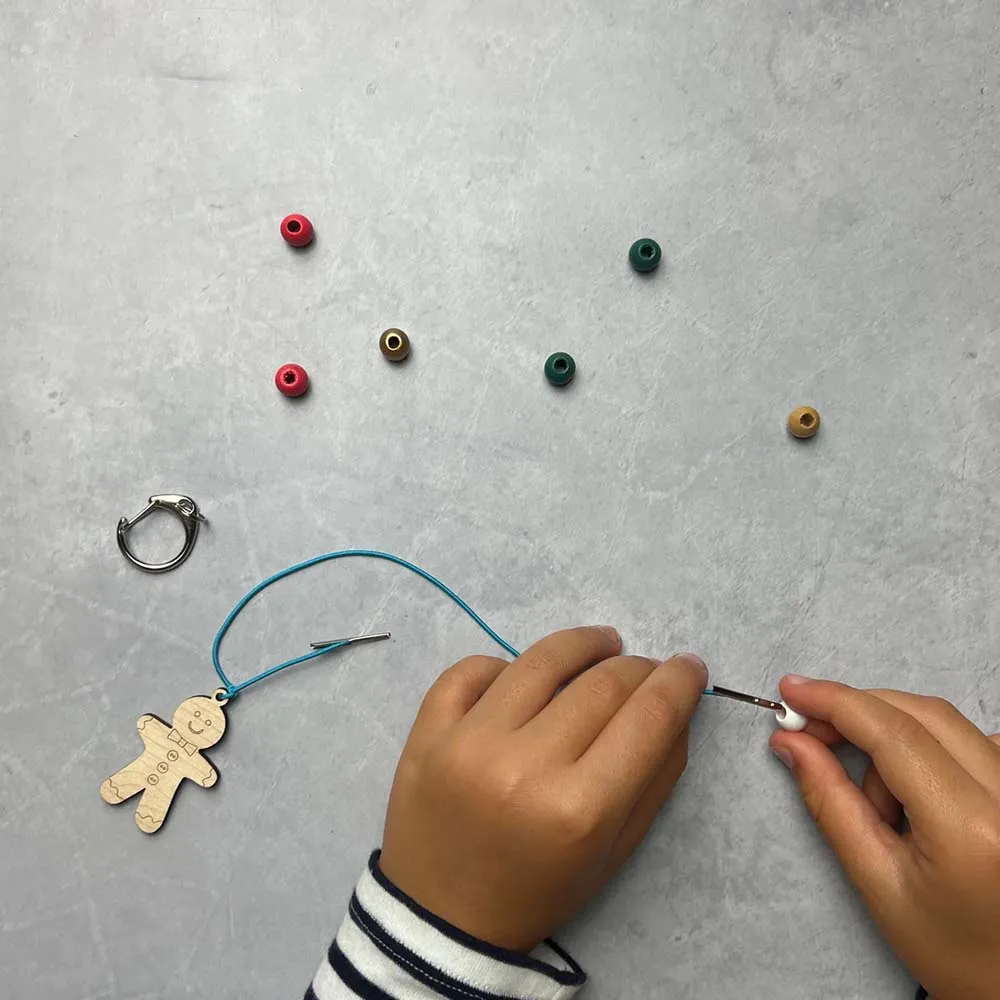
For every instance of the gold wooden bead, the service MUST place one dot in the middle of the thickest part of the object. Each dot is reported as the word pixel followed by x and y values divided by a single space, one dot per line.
pixel 803 422
pixel 394 345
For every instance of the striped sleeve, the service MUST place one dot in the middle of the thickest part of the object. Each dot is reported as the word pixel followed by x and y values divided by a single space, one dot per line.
pixel 390 948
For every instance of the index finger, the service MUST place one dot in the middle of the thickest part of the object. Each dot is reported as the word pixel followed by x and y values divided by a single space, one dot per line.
pixel 632 748
pixel 962 738
pixel 932 786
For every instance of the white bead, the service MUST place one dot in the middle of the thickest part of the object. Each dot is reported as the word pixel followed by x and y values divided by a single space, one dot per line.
pixel 791 720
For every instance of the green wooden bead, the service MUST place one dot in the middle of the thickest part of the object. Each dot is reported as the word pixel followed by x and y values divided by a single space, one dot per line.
pixel 560 368
pixel 644 255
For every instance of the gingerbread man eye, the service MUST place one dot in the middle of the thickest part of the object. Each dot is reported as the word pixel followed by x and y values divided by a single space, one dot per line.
pixel 208 722
pixel 197 715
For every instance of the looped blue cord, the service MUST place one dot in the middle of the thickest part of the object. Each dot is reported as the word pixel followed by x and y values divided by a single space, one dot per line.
pixel 232 689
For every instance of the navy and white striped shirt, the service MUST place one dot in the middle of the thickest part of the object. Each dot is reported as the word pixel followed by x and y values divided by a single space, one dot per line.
pixel 390 948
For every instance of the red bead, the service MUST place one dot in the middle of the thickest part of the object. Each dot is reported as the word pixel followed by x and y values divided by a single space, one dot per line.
pixel 297 230
pixel 291 380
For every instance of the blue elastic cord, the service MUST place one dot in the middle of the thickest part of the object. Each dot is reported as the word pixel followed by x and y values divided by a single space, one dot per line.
pixel 234 689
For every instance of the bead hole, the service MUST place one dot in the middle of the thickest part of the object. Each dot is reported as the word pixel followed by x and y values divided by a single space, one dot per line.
pixel 806 420
pixel 294 226
pixel 289 378
pixel 393 343
pixel 560 365
pixel 645 250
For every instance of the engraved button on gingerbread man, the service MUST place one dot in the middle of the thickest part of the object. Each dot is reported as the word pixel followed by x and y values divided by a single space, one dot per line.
pixel 171 754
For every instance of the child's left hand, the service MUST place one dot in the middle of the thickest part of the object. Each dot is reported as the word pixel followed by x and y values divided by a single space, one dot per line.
pixel 515 801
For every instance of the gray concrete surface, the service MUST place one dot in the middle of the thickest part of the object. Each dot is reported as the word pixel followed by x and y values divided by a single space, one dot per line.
pixel 823 179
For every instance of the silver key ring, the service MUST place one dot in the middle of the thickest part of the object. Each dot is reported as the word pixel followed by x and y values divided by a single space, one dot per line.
pixel 180 506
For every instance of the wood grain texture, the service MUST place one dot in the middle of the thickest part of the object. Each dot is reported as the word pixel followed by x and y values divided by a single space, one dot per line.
pixel 170 754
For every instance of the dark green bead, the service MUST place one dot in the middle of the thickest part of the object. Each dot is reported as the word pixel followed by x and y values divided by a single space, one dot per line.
pixel 644 255
pixel 560 368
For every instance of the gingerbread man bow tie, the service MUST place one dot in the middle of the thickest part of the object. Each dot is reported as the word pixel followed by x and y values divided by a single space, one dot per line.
pixel 175 737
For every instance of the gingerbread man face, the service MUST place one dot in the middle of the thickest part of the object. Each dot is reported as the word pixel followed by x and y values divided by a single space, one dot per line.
pixel 200 721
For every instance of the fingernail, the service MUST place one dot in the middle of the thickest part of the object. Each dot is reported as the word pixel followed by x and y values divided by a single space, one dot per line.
pixel 696 661
pixel 784 756
pixel 794 679
pixel 610 631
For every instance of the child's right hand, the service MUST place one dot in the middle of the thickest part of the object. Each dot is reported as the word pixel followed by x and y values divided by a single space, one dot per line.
pixel 934 891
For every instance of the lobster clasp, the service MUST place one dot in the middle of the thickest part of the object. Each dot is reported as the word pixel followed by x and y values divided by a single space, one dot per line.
pixel 183 508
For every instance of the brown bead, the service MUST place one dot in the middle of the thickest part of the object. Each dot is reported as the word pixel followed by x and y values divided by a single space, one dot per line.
pixel 394 345
pixel 803 422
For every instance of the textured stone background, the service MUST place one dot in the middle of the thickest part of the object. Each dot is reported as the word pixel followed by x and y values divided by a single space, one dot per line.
pixel 823 179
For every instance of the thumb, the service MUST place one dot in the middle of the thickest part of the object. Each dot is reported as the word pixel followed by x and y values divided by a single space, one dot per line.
pixel 870 851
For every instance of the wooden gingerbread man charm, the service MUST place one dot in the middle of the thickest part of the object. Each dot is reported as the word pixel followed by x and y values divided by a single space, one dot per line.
pixel 171 754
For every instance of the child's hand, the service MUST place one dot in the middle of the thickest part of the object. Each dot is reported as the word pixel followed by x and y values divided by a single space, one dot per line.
pixel 935 890
pixel 512 803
